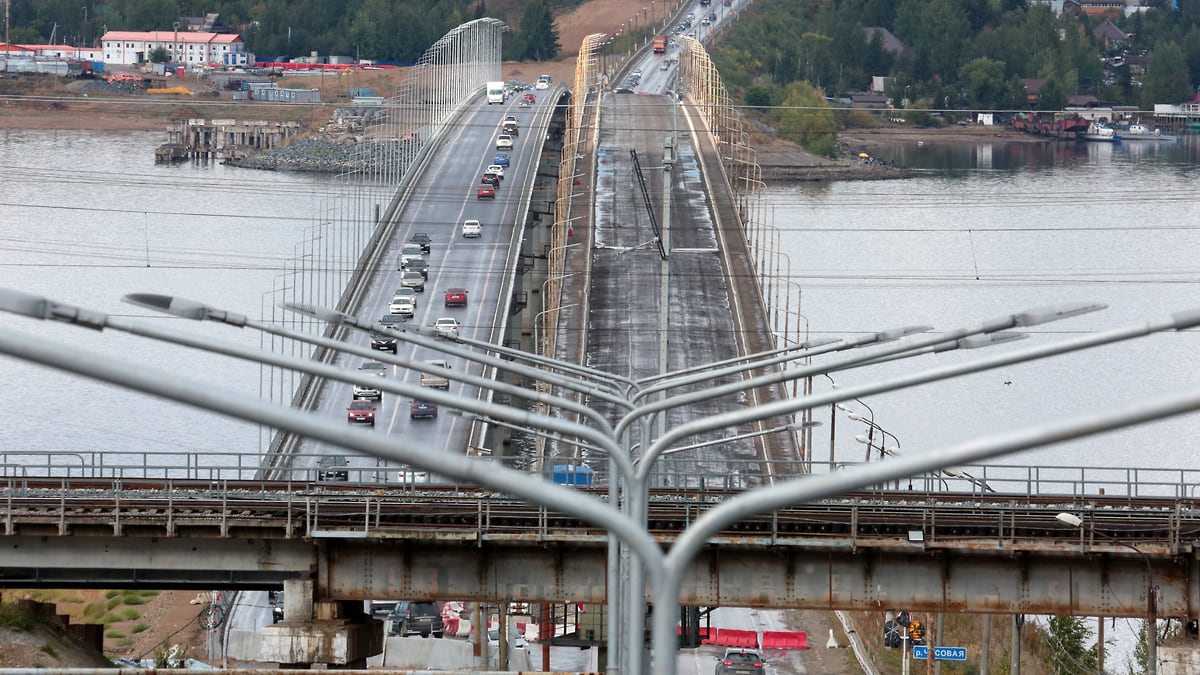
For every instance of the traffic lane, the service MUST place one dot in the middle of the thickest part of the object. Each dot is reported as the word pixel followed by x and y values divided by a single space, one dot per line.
pixel 438 209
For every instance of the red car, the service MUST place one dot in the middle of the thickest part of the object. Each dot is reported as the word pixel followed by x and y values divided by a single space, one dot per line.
pixel 456 297
pixel 486 192
pixel 362 412
pixel 530 98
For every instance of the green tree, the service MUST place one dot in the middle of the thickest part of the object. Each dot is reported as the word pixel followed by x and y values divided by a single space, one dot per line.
pixel 984 81
pixel 758 96
pixel 1051 96
pixel 159 55
pixel 1068 638
pixel 539 39
pixel 1167 79
pixel 806 120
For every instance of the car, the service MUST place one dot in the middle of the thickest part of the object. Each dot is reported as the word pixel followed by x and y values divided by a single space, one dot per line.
pixel 446 327
pixel 637 72
pixel 471 228
pixel 392 320
pixel 487 192
pixel 504 142
pixel 362 412
pixel 384 342
pixel 405 305
pixel 500 160
pixel 665 65
pixel 436 381
pixel 543 82
pixel 422 409
pixel 327 468
pixel 490 179
pixel 739 661
pixel 510 118
pixel 416 618
pixel 456 297
pixel 529 99
pixel 704 21
pixel 409 252
pixel 414 280
pixel 423 240
pixel 510 128
pixel 419 265
pixel 406 292
pixel 275 599
pixel 366 389
pixel 497 170
pixel 515 641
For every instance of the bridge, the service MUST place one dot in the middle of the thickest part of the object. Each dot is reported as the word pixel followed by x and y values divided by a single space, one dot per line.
pixel 989 544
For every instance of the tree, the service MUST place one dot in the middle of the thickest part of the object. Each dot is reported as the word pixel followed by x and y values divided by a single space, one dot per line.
pixel 807 120
pixel 159 55
pixel 1167 78
pixel 1051 96
pixel 984 81
pixel 539 39
pixel 758 96
pixel 1067 637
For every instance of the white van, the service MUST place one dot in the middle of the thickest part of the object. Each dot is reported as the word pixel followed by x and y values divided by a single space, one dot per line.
pixel 495 92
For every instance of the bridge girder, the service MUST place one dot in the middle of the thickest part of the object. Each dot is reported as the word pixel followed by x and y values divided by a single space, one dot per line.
pixel 1055 579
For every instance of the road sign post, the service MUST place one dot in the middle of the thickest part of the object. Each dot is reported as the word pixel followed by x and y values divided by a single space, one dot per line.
pixel 943 653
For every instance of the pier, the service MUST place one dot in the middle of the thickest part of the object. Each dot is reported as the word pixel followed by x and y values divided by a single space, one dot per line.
pixel 222 138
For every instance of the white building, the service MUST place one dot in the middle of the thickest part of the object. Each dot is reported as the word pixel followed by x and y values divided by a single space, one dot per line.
pixel 185 48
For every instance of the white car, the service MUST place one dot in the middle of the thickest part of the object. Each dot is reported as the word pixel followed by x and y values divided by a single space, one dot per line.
pixel 470 228
pixel 404 305
pixel 446 327
pixel 504 142
pixel 496 169
pixel 410 252
pixel 363 390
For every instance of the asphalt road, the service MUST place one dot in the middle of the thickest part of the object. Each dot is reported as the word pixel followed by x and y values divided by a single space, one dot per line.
pixel 444 198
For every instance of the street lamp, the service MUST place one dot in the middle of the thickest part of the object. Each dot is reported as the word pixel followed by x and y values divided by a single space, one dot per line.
pixel 1151 594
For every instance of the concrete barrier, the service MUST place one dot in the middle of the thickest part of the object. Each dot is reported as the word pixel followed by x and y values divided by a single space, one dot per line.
pixel 784 639
pixel 427 654
pixel 728 637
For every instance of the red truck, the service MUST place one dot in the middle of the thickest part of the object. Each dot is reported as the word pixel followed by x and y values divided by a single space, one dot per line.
pixel 456 297
pixel 660 45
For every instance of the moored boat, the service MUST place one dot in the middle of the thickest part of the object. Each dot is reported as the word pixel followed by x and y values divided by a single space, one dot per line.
pixel 1100 132
pixel 1141 132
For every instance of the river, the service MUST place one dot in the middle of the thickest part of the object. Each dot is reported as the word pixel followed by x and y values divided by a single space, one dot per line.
pixel 987 229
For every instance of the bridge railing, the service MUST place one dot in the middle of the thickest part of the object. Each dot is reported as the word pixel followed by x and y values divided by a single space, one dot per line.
pixel 1011 482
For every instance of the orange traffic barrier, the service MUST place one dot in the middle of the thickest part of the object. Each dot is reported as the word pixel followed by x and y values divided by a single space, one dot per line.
pixel 784 639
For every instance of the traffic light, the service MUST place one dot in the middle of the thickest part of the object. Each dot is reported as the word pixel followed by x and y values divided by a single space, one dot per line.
pixel 904 618
pixel 916 633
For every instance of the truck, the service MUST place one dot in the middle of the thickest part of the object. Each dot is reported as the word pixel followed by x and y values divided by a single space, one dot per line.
pixel 495 92
pixel 660 45
pixel 436 381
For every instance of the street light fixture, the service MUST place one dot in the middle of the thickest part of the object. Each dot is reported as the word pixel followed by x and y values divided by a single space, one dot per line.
pixel 1151 593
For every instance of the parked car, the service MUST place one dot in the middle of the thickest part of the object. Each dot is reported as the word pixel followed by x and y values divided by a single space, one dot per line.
pixel 486 192
pixel 739 661
pixel 416 618
pixel 500 160
pixel 366 389
pixel 361 412
pixel 408 253
pixel 446 327
pixel 471 228
pixel 436 381
pixel 423 240
pixel 384 342
pixel 456 297
pixel 414 280
pixel 505 141
pixel 421 409
pixel 327 468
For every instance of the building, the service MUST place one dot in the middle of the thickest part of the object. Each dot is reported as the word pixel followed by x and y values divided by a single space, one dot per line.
pixel 185 47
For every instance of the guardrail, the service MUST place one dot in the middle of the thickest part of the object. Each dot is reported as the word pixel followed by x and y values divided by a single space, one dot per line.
pixel 1017 484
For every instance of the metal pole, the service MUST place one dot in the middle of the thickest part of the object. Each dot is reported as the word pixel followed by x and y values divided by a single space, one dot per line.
pixel 1015 649
pixel 987 640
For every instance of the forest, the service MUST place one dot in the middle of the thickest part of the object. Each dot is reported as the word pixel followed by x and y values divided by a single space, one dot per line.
pixel 393 31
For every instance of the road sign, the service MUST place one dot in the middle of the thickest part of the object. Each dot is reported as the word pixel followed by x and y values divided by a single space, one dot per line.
pixel 943 653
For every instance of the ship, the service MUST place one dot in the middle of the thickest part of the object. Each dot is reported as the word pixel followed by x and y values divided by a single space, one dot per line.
pixel 1141 132
pixel 1101 133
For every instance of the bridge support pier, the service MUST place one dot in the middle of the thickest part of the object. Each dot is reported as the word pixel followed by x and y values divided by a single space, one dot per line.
pixel 337 633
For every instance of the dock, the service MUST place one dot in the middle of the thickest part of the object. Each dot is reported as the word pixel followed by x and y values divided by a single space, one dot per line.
pixel 222 139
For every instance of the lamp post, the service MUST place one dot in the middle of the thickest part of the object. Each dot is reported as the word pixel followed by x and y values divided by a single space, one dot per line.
pixel 1151 594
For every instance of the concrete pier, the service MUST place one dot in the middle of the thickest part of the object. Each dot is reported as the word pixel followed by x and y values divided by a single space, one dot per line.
pixel 222 139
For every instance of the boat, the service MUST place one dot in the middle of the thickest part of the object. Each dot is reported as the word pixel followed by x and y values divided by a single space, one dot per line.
pixel 1100 132
pixel 1141 132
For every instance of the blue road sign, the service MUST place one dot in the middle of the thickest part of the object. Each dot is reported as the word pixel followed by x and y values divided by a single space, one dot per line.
pixel 943 653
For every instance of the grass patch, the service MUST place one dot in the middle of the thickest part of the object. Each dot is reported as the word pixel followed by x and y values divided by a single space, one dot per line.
pixel 11 617
pixel 140 628
pixel 114 602
pixel 138 597
pixel 125 642
pixel 93 611
pixel 114 634
pixel 129 614
pixel 112 593
pixel 49 649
